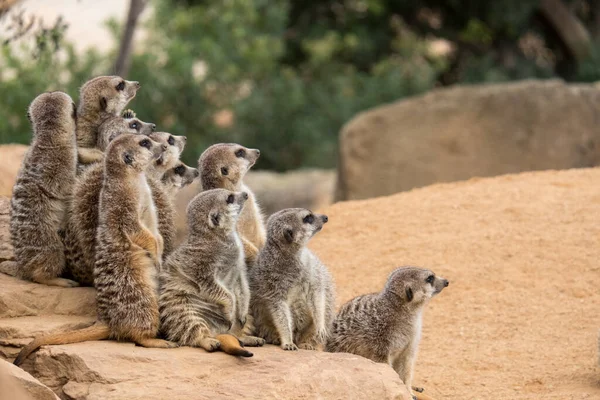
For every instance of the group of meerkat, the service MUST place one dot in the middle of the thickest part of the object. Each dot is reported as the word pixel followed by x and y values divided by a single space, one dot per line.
pixel 93 205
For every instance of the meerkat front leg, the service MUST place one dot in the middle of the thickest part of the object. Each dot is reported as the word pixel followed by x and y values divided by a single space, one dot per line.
pixel 239 328
pixel 282 319
pixel 403 363
pixel 319 316
pixel 250 252
pixel 88 155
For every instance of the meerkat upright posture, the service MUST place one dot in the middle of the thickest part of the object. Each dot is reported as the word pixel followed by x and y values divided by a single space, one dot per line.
pixel 204 287
pixel 99 98
pixel 80 235
pixel 114 126
pixel 128 252
pixel 224 166
pixel 293 295
pixel 386 327
pixel 42 191
pixel 177 178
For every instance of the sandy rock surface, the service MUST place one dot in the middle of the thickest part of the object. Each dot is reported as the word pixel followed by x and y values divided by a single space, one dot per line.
pixel 520 318
pixel 11 155
pixel 16 384
pixel 461 132
pixel 6 249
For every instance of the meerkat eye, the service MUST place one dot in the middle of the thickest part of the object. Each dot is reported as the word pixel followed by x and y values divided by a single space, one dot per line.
pixel 241 153
pixel 224 171
pixel 430 279
pixel 121 86
pixel 309 219
pixel 146 143
pixel 133 125
pixel 171 140
pixel 230 199
pixel 180 170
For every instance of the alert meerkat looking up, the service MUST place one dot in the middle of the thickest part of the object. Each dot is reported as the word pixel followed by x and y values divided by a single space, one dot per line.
pixel 80 235
pixel 99 98
pixel 386 327
pixel 114 126
pixel 224 166
pixel 42 191
pixel 293 295
pixel 204 288
pixel 178 177
pixel 128 252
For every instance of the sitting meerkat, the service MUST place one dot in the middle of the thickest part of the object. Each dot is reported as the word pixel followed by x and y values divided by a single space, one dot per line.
pixel 204 289
pixel 128 252
pixel 386 327
pixel 99 99
pixel 42 191
pixel 224 166
pixel 80 235
pixel 293 295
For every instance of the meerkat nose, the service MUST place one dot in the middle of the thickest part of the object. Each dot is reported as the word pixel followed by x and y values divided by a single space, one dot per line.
pixel 245 195
pixel 446 283
pixel 137 84
pixel 257 152
pixel 325 218
pixel 153 127
pixel 184 138
pixel 164 147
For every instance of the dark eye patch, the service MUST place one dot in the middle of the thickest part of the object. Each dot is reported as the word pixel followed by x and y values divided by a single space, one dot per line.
pixel 171 140
pixel 121 86
pixel 309 219
pixel 241 153
pixel 230 199
pixel 430 279
pixel 133 125
pixel 224 171
pixel 180 170
pixel 146 143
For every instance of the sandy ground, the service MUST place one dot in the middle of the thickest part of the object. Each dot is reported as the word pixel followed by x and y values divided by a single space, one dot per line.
pixel 520 318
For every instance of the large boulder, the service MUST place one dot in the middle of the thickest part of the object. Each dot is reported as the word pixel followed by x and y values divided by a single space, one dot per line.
pixel 466 131
pixel 11 155
pixel 6 249
pixel 16 384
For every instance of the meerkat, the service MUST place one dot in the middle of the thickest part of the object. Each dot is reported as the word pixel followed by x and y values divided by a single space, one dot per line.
pixel 99 98
pixel 224 166
pixel 293 295
pixel 128 252
pixel 42 191
pixel 386 327
pixel 177 178
pixel 80 235
pixel 204 287
pixel 116 125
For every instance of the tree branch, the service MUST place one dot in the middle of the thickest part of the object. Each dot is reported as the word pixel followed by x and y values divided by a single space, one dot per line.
pixel 124 59
pixel 567 26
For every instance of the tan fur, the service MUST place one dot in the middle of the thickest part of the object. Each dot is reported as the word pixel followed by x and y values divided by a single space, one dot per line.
pixel 99 99
pixel 386 327
pixel 127 250
pixel 224 166
pixel 204 289
pixel 42 191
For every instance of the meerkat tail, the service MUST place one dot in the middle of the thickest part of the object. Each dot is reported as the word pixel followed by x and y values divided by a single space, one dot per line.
pixel 98 331
pixel 231 345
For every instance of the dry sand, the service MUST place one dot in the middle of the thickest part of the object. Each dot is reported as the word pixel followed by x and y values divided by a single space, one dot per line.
pixel 520 318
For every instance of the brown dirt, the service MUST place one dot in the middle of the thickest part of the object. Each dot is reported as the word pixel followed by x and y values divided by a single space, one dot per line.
pixel 520 318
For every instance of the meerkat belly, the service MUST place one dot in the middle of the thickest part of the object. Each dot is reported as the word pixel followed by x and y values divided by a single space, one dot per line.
pixel 148 212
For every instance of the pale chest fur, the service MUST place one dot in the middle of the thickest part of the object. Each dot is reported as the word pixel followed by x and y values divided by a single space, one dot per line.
pixel 233 270
pixel 250 223
pixel 147 208
pixel 408 335
pixel 301 293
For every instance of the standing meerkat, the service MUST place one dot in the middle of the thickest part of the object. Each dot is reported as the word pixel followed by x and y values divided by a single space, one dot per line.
pixel 293 295
pixel 80 235
pixel 42 191
pixel 386 327
pixel 224 166
pixel 128 252
pixel 99 98
pixel 204 287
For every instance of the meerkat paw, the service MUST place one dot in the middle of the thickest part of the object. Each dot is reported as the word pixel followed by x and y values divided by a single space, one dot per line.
pixel 61 282
pixel 209 344
pixel 418 389
pixel 157 343
pixel 289 346
pixel 307 346
pixel 251 341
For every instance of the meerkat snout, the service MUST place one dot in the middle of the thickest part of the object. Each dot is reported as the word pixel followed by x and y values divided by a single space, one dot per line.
pixel 153 127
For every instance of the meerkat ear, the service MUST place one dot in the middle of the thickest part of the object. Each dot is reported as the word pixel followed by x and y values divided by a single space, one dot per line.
pixel 103 103
pixel 213 219
pixel 288 234
pixel 409 294
pixel 128 158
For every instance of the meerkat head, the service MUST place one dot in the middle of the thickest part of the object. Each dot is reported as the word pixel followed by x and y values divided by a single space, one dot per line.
pixel 215 210
pixel 132 153
pixel 175 146
pixel 115 126
pixel 52 109
pixel 414 285
pixel 110 94
pixel 224 165
pixel 180 176
pixel 294 226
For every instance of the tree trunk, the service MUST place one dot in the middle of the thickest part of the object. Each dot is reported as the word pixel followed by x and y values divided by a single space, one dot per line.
pixel 124 60
pixel 567 26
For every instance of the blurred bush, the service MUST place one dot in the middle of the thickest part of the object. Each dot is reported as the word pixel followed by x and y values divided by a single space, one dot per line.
pixel 285 75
